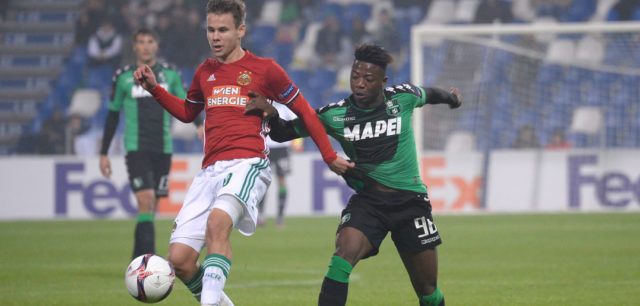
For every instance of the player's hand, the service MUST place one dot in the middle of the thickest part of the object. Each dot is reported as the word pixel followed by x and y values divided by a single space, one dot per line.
pixel 105 166
pixel 456 93
pixel 341 165
pixel 258 104
pixel 145 77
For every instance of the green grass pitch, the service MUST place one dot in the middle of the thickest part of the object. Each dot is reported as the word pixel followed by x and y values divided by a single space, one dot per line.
pixel 543 259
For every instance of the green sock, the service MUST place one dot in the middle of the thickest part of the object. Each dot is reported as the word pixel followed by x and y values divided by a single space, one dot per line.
pixel 339 269
pixel 145 218
pixel 195 283
pixel 434 299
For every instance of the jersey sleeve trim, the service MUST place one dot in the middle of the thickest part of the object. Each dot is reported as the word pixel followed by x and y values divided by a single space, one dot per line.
pixel 194 102
pixel 293 97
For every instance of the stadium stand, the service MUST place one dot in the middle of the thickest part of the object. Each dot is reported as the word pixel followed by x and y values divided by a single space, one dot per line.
pixel 42 65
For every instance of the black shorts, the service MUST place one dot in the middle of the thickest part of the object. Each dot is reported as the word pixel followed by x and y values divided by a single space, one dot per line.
pixel 149 170
pixel 407 215
pixel 279 159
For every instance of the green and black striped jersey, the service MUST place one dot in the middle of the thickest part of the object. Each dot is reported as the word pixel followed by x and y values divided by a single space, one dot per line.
pixel 147 124
pixel 380 141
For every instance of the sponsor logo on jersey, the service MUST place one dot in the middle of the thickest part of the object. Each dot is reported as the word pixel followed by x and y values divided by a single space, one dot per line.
pixel 244 78
pixel 345 218
pixel 211 78
pixel 393 107
pixel 226 96
pixel 287 92
pixel 138 92
pixel 338 119
pixel 389 127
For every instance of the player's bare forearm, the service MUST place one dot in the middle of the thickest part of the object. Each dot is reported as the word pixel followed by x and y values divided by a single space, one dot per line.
pixel 436 95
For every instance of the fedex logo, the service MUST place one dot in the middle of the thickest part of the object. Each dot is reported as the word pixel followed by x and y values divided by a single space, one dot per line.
pixel 91 192
pixel 102 198
pixel 612 188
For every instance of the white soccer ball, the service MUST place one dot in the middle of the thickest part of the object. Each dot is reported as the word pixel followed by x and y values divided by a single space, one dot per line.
pixel 149 278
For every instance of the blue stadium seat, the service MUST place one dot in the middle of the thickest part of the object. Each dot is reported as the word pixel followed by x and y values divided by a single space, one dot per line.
pixel 322 79
pixel 299 77
pixel 283 53
pixel 362 10
pixel 187 75
pixel 260 37
pixel 596 95
pixel 548 74
pixel 580 10
pixel 99 77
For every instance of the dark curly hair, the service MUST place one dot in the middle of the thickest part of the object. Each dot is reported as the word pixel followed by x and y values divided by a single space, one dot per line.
pixel 373 54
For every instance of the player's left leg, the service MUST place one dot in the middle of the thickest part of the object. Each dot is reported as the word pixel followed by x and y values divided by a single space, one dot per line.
pixel 244 184
pixel 416 236
pixel 423 272
pixel 218 261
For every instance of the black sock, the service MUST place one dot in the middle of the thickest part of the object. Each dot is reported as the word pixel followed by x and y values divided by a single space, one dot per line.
pixel 144 239
pixel 333 293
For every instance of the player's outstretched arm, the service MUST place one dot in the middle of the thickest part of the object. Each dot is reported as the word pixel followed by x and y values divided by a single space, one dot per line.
pixel 436 95
pixel 179 108
pixel 283 130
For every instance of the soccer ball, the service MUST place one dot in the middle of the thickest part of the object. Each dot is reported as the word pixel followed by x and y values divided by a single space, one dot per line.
pixel 149 278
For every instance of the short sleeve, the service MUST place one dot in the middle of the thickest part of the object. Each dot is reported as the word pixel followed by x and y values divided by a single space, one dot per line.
pixel 416 94
pixel 117 93
pixel 280 87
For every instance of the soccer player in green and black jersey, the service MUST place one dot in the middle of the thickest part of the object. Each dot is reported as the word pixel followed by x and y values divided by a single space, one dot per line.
pixel 147 137
pixel 373 125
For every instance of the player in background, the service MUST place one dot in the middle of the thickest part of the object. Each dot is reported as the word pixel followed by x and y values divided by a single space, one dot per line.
pixel 373 126
pixel 280 162
pixel 147 136
pixel 235 171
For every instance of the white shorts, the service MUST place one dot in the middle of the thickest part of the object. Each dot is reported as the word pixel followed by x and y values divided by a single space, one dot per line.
pixel 247 180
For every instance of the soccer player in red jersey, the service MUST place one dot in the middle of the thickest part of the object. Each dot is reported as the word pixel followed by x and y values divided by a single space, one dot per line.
pixel 235 170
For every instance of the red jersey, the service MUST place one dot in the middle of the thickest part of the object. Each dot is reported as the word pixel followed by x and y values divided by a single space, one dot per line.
pixel 223 90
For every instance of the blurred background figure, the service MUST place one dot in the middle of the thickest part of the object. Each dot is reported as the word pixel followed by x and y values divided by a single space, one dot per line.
pixel 558 140
pixel 280 163
pixel 105 45
pixel 526 138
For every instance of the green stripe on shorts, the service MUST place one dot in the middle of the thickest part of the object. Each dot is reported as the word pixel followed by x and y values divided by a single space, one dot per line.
pixel 250 179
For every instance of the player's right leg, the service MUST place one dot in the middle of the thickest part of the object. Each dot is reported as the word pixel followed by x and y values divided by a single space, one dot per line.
pixel 140 167
pixel 184 260
pixel 423 272
pixel 359 236
pixel 188 235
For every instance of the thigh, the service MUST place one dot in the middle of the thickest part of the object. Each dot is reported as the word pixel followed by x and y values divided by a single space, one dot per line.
pixel 247 180
pixel 362 216
pixel 140 171
pixel 422 269
pixel 413 229
pixel 352 245
pixel 190 224
pixel 161 165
